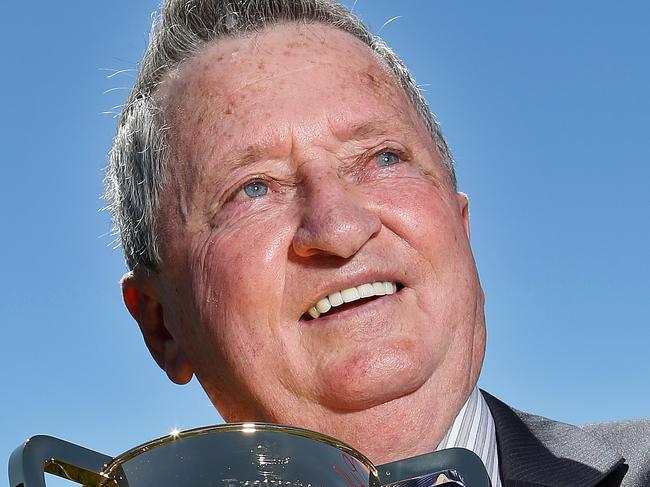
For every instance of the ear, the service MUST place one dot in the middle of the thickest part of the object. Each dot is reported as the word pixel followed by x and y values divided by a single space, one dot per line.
pixel 463 204
pixel 143 302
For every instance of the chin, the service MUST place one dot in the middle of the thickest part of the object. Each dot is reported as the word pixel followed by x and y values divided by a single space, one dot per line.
pixel 373 376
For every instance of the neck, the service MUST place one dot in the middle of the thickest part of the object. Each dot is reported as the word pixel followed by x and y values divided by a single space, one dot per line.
pixel 402 428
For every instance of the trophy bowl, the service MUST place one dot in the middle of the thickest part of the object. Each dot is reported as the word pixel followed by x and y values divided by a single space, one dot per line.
pixel 239 455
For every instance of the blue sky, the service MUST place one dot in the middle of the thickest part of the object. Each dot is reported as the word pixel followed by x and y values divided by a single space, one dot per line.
pixel 546 107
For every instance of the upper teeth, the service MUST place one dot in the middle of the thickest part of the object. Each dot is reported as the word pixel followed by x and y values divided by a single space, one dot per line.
pixel 366 290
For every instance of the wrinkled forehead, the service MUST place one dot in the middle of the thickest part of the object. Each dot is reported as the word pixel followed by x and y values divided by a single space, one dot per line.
pixel 254 69
pixel 271 52
pixel 265 93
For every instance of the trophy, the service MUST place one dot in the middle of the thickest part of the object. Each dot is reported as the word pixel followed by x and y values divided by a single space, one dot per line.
pixel 239 455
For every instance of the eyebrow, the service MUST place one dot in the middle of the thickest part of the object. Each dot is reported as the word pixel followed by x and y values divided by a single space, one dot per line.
pixel 255 152
pixel 364 129
pixel 251 154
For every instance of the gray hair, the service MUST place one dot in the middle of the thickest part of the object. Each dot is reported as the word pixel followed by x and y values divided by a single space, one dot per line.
pixel 136 173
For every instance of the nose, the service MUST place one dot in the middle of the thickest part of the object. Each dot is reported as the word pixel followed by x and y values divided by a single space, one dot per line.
pixel 335 219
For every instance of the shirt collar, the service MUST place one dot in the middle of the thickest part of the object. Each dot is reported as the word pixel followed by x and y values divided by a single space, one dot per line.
pixel 473 429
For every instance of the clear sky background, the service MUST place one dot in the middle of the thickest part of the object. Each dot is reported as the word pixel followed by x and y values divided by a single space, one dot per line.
pixel 546 106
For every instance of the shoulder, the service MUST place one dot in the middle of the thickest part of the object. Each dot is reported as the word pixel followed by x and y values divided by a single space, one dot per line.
pixel 534 450
pixel 623 434
pixel 632 440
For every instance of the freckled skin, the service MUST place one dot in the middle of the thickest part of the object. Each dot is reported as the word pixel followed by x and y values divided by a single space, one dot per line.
pixel 238 273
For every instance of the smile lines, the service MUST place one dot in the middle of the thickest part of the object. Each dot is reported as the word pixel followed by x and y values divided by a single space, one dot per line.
pixel 368 290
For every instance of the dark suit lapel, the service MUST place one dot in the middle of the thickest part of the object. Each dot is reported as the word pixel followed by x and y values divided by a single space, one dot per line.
pixel 535 451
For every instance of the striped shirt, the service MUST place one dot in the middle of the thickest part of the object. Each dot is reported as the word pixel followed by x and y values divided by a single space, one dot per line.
pixel 473 429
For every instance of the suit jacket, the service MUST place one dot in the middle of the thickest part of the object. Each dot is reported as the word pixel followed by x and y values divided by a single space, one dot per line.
pixel 538 452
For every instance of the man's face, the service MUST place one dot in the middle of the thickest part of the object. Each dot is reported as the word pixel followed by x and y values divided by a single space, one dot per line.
pixel 299 170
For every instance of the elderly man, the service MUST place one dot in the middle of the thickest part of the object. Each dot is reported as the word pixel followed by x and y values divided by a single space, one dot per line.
pixel 288 209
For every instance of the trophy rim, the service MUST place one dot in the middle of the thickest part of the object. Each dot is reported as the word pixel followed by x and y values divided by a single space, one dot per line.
pixel 245 427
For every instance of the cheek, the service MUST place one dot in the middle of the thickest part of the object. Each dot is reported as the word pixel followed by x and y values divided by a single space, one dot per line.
pixel 424 215
pixel 245 260
pixel 428 222
pixel 238 284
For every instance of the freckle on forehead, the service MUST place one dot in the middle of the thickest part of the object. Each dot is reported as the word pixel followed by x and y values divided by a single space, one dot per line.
pixel 213 101
pixel 292 44
pixel 369 78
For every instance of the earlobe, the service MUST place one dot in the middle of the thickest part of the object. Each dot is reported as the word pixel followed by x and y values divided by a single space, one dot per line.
pixel 463 203
pixel 142 301
pixel 176 365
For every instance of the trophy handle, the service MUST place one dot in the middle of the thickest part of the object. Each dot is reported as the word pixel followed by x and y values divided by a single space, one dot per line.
pixel 467 463
pixel 41 453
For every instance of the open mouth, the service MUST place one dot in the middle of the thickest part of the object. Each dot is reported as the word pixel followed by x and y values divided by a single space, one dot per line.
pixel 350 298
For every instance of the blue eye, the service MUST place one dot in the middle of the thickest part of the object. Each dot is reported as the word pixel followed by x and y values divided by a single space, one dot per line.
pixel 255 189
pixel 387 158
